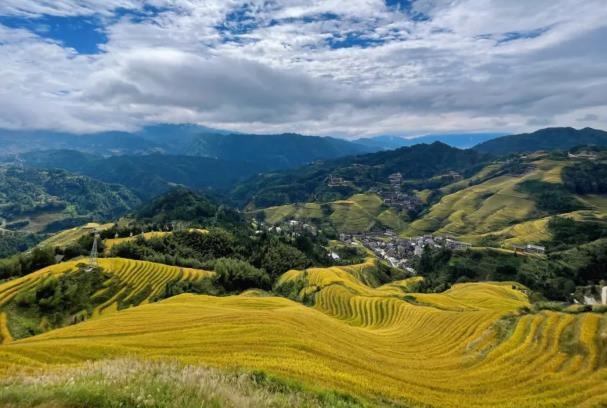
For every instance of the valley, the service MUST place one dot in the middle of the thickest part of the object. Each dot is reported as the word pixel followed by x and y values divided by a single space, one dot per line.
pixel 425 276
pixel 303 204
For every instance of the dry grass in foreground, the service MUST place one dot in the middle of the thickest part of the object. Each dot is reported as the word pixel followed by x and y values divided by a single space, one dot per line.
pixel 130 382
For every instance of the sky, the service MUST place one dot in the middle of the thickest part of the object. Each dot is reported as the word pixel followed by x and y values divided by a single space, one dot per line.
pixel 346 68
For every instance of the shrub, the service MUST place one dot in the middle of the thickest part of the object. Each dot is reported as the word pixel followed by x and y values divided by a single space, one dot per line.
pixel 237 275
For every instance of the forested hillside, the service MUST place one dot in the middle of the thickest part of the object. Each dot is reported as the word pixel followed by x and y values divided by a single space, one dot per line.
pixel 50 200
pixel 358 174
pixel 544 139
pixel 149 175
pixel 279 151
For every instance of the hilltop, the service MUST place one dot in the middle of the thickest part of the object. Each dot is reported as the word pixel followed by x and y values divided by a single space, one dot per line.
pixel 548 139
pixel 277 151
pixel 459 140
pixel 148 175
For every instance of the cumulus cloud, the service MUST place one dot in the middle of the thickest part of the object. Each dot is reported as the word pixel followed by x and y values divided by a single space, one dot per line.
pixel 324 66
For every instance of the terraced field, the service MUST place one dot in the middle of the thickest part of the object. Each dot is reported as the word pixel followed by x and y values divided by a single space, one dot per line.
pixel 109 243
pixel 70 236
pixel 495 207
pixel 132 283
pixel 471 346
pixel 359 213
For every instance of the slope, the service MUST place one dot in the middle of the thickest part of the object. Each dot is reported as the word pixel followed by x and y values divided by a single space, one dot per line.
pixel 359 213
pixel 467 347
pixel 505 205
pixel 127 283
pixel 358 174
pixel 150 174
pixel 543 139
pixel 50 200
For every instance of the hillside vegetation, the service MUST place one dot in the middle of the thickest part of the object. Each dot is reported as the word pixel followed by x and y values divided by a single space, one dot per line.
pixel 543 139
pixel 52 200
pixel 360 173
pixel 474 345
pixel 149 175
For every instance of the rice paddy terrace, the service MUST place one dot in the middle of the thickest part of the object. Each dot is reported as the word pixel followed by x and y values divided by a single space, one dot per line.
pixel 472 346
pixel 130 283
pixel 494 205
pixel 359 213
pixel 110 243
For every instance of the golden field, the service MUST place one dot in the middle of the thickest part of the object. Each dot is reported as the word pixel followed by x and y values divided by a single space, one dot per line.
pixel 136 282
pixel 110 243
pixel 472 346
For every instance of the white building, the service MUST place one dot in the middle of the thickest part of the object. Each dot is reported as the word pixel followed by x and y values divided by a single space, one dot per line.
pixel 538 249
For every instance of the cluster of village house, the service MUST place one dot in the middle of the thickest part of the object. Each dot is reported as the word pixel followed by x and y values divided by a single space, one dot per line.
pixel 400 251
pixel 292 227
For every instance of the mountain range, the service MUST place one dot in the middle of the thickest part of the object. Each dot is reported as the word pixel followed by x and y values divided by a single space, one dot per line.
pixel 549 139
pixel 459 140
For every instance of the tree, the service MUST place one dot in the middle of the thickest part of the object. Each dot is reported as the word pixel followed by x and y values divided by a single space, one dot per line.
pixel 280 258
pixel 236 275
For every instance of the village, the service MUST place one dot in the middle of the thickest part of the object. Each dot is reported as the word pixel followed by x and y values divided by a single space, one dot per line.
pixel 399 252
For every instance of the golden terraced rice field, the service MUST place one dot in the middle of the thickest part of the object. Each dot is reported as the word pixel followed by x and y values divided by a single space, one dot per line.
pixel 132 283
pixel 109 243
pixel 489 206
pixel 468 347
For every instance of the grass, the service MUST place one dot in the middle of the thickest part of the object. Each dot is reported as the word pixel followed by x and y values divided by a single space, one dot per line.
pixel 135 383
pixel 475 345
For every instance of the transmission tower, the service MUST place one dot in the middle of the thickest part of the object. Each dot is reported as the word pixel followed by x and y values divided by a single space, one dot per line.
pixel 94 254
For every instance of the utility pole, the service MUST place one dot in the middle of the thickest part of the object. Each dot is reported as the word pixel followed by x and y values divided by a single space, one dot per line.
pixel 94 253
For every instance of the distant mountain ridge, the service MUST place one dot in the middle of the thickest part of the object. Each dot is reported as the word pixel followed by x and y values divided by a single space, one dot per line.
pixel 459 140
pixel 558 138
pixel 148 175
pixel 274 151
pixel 355 174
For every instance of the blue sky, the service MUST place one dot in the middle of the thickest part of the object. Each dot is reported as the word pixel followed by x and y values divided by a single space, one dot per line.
pixel 355 68
pixel 85 34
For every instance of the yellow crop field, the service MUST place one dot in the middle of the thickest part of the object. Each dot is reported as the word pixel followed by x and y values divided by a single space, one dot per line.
pixel 135 282
pixel 471 346
pixel 109 243
pixel 358 213
pixel 493 207
pixel 67 237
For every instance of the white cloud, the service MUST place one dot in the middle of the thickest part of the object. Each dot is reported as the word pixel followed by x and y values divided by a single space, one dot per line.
pixel 276 71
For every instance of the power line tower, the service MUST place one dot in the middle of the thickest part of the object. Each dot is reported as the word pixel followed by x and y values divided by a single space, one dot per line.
pixel 94 253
